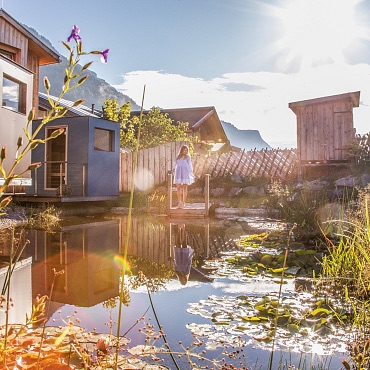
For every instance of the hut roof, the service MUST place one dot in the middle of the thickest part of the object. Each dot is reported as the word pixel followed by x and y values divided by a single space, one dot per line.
pixel 354 97
pixel 80 110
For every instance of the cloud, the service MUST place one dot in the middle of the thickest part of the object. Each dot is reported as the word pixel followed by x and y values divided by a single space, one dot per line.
pixel 254 100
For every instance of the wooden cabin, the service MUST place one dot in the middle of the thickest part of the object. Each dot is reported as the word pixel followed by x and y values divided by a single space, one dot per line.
pixel 325 129
pixel 81 164
pixel 21 55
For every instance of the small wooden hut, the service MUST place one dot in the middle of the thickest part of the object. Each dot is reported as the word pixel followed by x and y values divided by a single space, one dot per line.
pixel 325 129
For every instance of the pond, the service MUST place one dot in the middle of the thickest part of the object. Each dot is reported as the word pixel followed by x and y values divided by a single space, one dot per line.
pixel 213 304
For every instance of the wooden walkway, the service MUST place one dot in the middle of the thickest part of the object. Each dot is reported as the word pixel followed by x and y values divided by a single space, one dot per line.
pixel 191 210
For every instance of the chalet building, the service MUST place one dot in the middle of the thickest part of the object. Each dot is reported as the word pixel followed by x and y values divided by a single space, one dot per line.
pixel 325 129
pixel 21 55
pixel 203 122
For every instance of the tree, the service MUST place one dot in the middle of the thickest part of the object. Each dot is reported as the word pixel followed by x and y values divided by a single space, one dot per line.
pixel 156 127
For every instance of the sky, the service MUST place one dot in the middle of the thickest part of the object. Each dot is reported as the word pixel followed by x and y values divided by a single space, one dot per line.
pixel 247 58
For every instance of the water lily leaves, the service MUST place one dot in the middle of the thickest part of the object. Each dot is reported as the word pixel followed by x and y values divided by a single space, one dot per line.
pixel 320 312
pixel 254 319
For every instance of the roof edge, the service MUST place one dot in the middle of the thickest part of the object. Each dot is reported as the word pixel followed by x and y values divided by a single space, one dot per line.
pixel 353 96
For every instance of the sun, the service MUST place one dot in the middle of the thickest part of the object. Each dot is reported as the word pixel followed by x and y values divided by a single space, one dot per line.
pixel 317 31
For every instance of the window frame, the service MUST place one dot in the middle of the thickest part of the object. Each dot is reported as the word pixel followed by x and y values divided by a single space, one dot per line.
pixel 21 103
pixel 105 148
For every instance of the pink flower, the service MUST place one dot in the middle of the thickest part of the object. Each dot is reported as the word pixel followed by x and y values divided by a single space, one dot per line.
pixel 104 58
pixel 74 34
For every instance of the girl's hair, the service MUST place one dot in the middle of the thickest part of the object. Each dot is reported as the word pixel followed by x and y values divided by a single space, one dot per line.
pixel 181 152
pixel 183 278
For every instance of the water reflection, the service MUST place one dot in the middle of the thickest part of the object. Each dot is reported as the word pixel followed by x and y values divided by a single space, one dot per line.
pixel 85 253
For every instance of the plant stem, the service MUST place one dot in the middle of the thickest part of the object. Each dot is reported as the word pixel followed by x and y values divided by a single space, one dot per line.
pixel 123 273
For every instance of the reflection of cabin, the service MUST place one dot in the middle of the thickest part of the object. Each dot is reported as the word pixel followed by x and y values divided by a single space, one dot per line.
pixel 21 55
pixel 80 164
pixel 85 255
pixel 325 128
pixel 203 123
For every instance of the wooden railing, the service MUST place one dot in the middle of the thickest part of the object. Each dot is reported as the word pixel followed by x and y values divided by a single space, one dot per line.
pixel 153 165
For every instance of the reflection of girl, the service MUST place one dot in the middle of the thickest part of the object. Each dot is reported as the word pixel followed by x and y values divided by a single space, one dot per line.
pixel 183 175
pixel 183 256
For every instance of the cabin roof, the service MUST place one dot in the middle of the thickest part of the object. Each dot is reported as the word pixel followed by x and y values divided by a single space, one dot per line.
pixel 203 119
pixel 81 110
pixel 45 53
pixel 354 97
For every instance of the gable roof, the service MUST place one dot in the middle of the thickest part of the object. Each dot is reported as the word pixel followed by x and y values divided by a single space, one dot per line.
pixel 81 110
pixel 46 54
pixel 202 120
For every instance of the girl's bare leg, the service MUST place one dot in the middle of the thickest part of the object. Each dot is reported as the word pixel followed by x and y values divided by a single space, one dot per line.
pixel 179 195
pixel 184 193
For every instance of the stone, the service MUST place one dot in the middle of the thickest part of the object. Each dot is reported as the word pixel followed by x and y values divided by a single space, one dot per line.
pixel 316 185
pixel 349 181
pixel 365 179
pixel 237 178
pixel 217 192
pixel 196 191
pixel 254 191
pixel 235 192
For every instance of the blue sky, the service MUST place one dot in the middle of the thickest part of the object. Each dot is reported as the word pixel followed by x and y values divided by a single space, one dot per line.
pixel 247 58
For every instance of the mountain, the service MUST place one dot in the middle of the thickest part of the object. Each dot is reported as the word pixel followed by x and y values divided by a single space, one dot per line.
pixel 94 90
pixel 244 139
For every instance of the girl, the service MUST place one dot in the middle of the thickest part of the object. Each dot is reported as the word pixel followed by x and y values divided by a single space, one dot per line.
pixel 183 175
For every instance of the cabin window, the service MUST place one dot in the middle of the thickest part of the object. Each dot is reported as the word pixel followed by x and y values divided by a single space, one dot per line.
pixel 103 140
pixel 14 94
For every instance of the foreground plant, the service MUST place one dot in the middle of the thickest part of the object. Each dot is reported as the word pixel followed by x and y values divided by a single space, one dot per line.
pixel 17 344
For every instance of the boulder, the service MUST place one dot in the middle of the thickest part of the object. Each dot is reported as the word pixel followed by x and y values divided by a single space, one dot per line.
pixel 347 182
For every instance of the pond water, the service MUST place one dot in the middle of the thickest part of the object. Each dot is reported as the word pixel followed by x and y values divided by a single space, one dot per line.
pixel 88 254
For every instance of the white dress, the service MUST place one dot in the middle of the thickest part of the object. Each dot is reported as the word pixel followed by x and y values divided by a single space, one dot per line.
pixel 183 171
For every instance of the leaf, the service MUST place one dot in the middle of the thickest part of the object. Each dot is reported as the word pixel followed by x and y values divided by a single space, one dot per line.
pixel 321 311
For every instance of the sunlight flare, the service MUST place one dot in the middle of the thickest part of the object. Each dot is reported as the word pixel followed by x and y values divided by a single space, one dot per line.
pixel 317 32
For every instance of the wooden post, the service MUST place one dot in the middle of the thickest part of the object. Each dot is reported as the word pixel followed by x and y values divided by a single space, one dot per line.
pixel 169 192
pixel 206 194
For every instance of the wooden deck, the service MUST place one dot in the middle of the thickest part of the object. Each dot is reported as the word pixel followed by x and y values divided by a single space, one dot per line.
pixel 191 210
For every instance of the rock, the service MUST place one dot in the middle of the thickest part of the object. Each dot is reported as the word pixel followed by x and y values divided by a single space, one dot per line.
pixel 254 191
pixel 217 192
pixel 237 178
pixel 316 185
pixel 365 179
pixel 196 191
pixel 235 192
pixel 349 181
pixel 226 212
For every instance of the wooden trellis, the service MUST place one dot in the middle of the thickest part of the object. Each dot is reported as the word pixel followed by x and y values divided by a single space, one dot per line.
pixel 154 163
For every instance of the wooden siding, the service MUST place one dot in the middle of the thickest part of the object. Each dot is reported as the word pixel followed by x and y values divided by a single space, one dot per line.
pixel 14 38
pixel 325 128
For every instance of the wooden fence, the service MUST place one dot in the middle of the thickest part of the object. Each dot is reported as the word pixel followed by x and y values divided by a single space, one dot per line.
pixel 270 163
pixel 154 163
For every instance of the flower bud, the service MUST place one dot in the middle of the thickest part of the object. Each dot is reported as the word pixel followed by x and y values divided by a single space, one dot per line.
pixel 102 344
pixel 3 153
pixel 33 166
pixel 20 142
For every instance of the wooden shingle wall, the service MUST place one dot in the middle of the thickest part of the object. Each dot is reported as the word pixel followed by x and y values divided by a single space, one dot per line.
pixel 325 128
